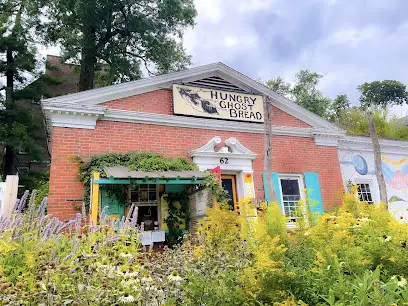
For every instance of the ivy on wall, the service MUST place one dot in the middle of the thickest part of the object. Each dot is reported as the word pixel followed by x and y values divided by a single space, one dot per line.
pixel 178 203
pixel 138 161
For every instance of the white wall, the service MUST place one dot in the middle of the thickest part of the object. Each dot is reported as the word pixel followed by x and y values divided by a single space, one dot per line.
pixel 395 168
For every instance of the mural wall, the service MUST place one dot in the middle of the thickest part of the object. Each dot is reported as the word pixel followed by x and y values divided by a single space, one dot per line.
pixel 357 167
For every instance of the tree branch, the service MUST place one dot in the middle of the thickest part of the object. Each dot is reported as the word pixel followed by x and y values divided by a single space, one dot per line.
pixel 144 61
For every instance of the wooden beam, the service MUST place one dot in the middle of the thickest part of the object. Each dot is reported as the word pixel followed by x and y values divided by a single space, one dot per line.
pixel 95 197
pixel 143 181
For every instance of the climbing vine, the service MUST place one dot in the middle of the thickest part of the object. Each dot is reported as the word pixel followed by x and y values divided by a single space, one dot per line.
pixel 138 161
pixel 179 214
pixel 178 203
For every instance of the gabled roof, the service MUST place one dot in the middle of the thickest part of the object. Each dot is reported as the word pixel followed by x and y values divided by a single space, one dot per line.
pixel 93 99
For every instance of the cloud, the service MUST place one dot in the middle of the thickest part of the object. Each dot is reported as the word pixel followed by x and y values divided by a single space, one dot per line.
pixel 349 42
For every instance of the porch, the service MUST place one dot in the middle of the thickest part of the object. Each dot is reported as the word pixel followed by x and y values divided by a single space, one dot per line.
pixel 164 199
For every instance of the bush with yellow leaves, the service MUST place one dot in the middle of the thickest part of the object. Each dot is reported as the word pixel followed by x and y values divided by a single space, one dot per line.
pixel 355 255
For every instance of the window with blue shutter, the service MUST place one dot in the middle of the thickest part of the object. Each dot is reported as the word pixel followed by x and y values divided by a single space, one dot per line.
pixel 288 189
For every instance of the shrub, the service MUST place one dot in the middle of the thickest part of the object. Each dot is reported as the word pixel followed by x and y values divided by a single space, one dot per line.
pixel 354 256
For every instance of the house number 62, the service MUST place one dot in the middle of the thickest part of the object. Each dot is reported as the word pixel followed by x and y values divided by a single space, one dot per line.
pixel 224 161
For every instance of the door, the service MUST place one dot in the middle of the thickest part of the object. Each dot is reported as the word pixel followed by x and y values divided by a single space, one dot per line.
pixel 230 186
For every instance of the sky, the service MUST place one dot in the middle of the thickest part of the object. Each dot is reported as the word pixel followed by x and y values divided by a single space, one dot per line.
pixel 349 42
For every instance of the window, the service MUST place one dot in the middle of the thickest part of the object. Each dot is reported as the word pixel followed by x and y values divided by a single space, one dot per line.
pixel 364 193
pixel 145 197
pixel 291 194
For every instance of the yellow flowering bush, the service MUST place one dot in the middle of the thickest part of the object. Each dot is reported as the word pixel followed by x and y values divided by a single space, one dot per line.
pixel 355 255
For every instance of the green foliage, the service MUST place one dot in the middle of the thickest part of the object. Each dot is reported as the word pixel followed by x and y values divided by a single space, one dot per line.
pixel 35 180
pixel 212 183
pixel 279 85
pixel 44 262
pixel 305 93
pixel 354 121
pixel 117 38
pixel 354 256
pixel 42 191
pixel 17 128
pixel 178 214
pixel 382 94
pixel 140 161
pixel 339 105
pixel 308 96
pixel 18 21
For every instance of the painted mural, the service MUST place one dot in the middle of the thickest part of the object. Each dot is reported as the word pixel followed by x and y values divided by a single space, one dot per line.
pixel 396 172
pixel 359 166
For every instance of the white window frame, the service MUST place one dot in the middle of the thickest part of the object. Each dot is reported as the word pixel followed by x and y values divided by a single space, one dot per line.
pixel 141 204
pixel 370 184
pixel 299 178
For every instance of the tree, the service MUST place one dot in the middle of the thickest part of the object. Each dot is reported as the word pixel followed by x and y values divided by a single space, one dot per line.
pixel 379 95
pixel 340 104
pixel 279 85
pixel 304 92
pixel 119 37
pixel 18 20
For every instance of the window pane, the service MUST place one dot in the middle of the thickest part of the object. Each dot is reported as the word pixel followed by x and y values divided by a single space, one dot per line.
pixel 134 196
pixel 290 187
pixel 143 194
pixel 364 193
pixel 152 196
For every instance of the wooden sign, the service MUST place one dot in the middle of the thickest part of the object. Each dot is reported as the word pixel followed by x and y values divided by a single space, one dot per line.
pixel 217 104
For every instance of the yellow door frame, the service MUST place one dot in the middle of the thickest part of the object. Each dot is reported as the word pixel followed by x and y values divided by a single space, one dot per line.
pixel 234 188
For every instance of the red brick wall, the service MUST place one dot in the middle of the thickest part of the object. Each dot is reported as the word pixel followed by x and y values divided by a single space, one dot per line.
pixel 160 101
pixel 291 155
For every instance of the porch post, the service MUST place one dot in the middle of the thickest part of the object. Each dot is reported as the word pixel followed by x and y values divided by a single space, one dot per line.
pixel 94 197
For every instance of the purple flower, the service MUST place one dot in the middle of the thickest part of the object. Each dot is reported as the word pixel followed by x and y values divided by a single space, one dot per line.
pixel 42 207
pixel 111 240
pixel 103 213
pixel 66 225
pixel 78 221
pixel 22 203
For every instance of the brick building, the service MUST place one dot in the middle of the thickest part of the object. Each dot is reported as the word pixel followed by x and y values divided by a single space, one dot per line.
pixel 148 115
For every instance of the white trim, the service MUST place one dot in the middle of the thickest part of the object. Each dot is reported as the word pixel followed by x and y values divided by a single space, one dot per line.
pixel 239 160
pixel 325 138
pixel 201 123
pixel 209 146
pixel 101 95
pixel 74 121
pixel 238 148
pixel 360 143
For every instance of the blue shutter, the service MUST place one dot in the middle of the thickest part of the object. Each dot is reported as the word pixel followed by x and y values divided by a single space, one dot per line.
pixel 266 192
pixel 313 192
pixel 276 185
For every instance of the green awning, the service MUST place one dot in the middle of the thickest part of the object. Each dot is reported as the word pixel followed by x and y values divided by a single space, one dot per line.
pixel 123 175
pixel 122 172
